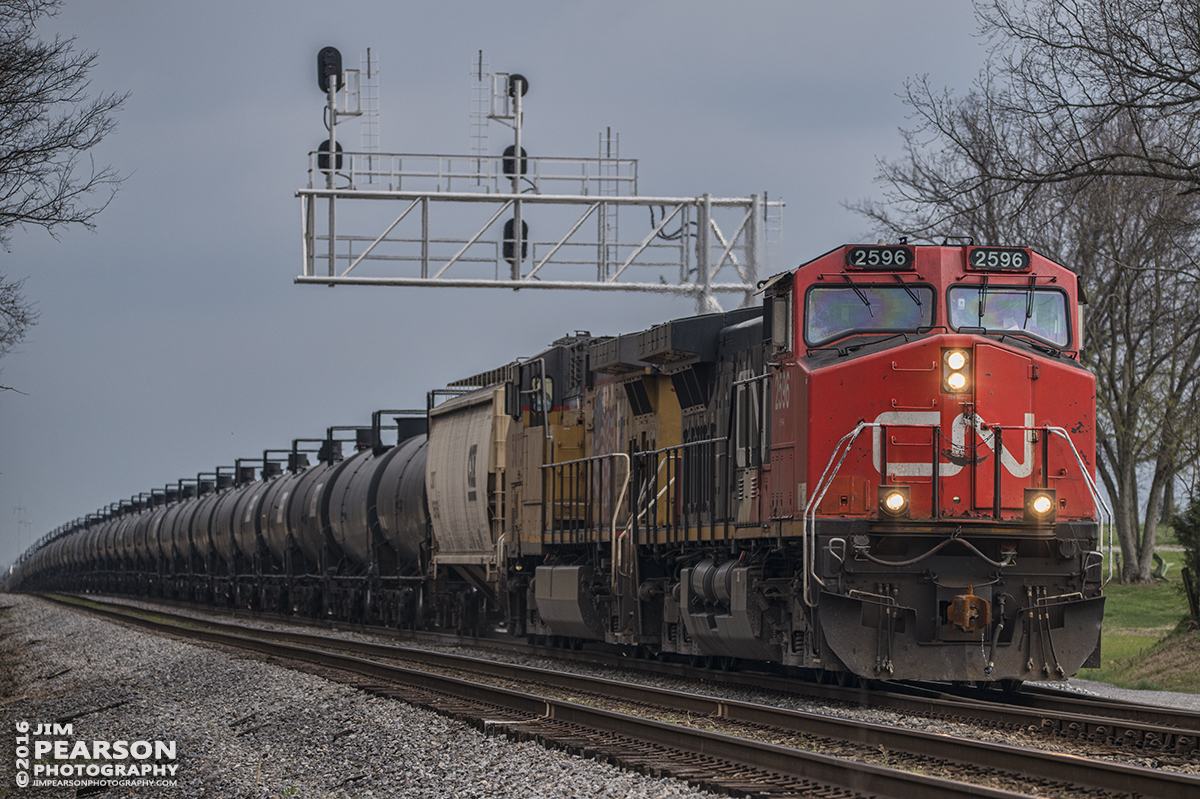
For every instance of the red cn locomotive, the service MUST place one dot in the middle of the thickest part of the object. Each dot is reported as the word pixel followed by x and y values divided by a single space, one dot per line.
pixel 931 412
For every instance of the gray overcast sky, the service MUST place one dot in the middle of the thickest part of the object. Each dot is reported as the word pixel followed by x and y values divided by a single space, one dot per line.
pixel 173 340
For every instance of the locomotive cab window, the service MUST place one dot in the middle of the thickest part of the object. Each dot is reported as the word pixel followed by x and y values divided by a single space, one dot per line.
pixel 832 312
pixel 1037 313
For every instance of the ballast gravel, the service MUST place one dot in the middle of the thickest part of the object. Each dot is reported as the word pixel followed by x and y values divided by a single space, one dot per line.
pixel 864 713
pixel 245 728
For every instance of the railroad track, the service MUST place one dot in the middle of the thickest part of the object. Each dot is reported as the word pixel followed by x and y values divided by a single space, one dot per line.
pixel 1101 727
pixel 716 743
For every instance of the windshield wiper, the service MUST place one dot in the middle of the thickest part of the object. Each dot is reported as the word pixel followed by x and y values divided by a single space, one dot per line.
pixel 861 296
pixel 982 299
pixel 1028 338
pixel 907 290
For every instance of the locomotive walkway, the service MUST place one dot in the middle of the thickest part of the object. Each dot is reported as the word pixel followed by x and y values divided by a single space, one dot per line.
pixel 730 746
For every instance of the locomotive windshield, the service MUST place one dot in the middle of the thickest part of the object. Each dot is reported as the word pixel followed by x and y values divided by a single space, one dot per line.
pixel 1039 313
pixel 832 312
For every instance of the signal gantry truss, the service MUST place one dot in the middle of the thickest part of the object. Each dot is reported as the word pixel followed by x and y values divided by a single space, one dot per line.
pixel 537 222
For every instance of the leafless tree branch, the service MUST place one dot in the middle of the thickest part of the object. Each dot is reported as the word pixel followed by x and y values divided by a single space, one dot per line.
pixel 48 129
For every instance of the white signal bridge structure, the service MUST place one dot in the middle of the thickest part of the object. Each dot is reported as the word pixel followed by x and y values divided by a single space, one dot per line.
pixel 538 222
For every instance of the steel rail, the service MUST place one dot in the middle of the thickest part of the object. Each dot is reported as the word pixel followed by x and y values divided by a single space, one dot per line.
pixel 774 760
pixel 1034 705
pixel 1030 763
pixel 1052 710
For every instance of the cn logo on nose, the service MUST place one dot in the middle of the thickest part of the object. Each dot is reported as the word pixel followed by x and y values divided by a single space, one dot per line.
pixel 958 444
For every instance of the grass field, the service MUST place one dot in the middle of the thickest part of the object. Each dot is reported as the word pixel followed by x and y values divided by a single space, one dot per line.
pixel 1143 644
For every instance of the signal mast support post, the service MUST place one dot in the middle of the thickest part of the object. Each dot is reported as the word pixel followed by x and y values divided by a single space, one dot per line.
pixel 331 172
pixel 516 84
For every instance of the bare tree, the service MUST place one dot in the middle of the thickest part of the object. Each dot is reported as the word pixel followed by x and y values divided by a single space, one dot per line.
pixel 1062 72
pixel 48 125
pixel 1131 240
pixel 48 128
pixel 17 315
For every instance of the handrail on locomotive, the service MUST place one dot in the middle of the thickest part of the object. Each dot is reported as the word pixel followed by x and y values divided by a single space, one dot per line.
pixel 847 441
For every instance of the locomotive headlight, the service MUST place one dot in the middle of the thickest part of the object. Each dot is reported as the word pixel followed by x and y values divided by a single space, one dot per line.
pixel 1041 505
pixel 955 370
pixel 893 501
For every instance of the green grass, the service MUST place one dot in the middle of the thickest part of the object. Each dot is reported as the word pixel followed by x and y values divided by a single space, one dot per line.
pixel 1165 537
pixel 1141 634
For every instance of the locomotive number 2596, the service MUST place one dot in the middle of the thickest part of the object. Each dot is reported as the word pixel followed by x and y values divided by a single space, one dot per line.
pixel 879 257
pixel 1000 258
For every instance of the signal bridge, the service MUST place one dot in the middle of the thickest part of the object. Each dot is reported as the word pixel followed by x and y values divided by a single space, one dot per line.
pixel 532 222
